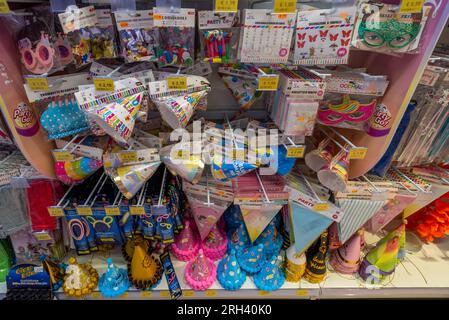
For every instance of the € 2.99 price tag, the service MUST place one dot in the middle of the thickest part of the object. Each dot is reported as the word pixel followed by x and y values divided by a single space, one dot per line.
pixel 358 153
pixel 268 83
pixel 177 82
pixel 321 207
pixel 128 157
pixel 226 5
pixel 38 84
pixel 295 152
pixel 284 6
pixel 411 6
pixel 104 84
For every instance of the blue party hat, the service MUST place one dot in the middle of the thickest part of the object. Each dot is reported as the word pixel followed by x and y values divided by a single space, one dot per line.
pixel 278 160
pixel 271 240
pixel 229 273
pixel 270 276
pixel 251 258
pixel 308 225
pixel 238 239
pixel 114 282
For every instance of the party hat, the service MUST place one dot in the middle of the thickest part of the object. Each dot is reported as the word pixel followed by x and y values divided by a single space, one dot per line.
pixel 144 271
pixel 177 111
pixel 186 244
pixel 200 272
pixel 398 232
pixel 316 260
pixel 307 225
pixel 270 276
pixel 128 247
pixel 295 265
pixel 271 240
pixel 189 168
pixel 334 176
pixel 346 259
pixel 80 279
pixel 114 282
pixel 244 90
pixel 380 261
pixel 54 270
pixel 129 179
pixel 229 273
pixel 251 258
pixel 238 239
pixel 75 171
pixel 257 218
pixel 224 168
pixel 117 119
pixel 334 241
pixel 215 244
pixel 206 215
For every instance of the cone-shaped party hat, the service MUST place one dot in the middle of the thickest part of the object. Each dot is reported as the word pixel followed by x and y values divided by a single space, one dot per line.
pixel 188 167
pixel 177 111
pixel 229 273
pixel 258 217
pixel 251 258
pixel 55 271
pixel 346 259
pixel 225 168
pixel 200 272
pixel 144 271
pixel 117 119
pixel 316 260
pixel 238 239
pixel 398 232
pixel 75 171
pixel 215 244
pixel 295 265
pixel 270 276
pixel 334 240
pixel 380 261
pixel 244 90
pixel 114 282
pixel 206 216
pixel 80 279
pixel 186 244
pixel 335 175
pixel 128 247
pixel 130 179
pixel 271 240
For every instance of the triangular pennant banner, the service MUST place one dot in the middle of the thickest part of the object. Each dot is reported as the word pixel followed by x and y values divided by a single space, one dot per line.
pixel 307 225
pixel 258 217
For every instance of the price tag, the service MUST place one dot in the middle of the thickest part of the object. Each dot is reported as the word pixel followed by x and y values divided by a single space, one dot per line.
pixel 104 84
pixel 284 6
pixel 145 294
pixel 165 294
pixel 411 6
pixel 38 84
pixel 268 83
pixel 63 156
pixel 264 293
pixel 96 295
pixel 177 82
pixel 239 154
pixel 226 5
pixel 188 293
pixel 302 293
pixel 211 293
pixel 127 157
pixel 138 210
pixel 42 236
pixel 295 152
pixel 125 295
pixel 321 207
pixel 84 211
pixel 358 153
pixel 4 8
pixel 112 211
pixel 55 212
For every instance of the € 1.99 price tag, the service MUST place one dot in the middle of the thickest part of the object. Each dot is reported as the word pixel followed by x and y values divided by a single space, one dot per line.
pixel 226 5
pixel 268 83
pixel 358 153
pixel 128 157
pixel 284 6
pixel 62 156
pixel 411 6
pixel 112 211
pixel 177 82
pixel 104 84
pixel 295 152
pixel 55 212
pixel 321 207
pixel 38 84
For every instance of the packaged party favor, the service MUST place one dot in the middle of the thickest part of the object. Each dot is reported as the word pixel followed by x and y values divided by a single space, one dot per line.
pixel 176 37
pixel 138 37
pixel 219 35
pixel 104 44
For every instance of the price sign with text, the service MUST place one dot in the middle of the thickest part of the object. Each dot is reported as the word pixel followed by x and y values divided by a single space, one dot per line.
pixel 358 153
pixel 177 82
pixel 84 211
pixel 63 156
pixel 104 84
pixel 268 83
pixel 226 5
pixel 55 211
pixel 38 84
pixel 295 152
pixel 138 210
pixel 127 157
pixel 321 207
pixel 284 6
pixel 411 6
pixel 112 211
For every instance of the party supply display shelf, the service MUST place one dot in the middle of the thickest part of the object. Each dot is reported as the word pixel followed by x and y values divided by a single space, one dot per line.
pixel 419 275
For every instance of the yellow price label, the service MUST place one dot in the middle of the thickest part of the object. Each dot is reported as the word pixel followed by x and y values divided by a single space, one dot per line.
pixel 42 236
pixel 268 83
pixel 321 207
pixel 188 293
pixel 55 212
pixel 104 84
pixel 4 8
pixel 295 152
pixel 165 294
pixel 411 6
pixel 239 154
pixel 358 153
pixel 112 211
pixel 177 82
pixel 145 294
pixel 125 295
pixel 157 17
pixel 302 293
pixel 38 84
pixel 63 156
pixel 138 210
pixel 226 5
pixel 264 293
pixel 84 211
pixel 96 295
pixel 127 157
pixel 284 6
pixel 211 293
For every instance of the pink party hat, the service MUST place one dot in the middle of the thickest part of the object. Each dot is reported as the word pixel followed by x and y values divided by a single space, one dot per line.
pixel 334 241
pixel 346 259
pixel 215 244
pixel 186 244
pixel 201 272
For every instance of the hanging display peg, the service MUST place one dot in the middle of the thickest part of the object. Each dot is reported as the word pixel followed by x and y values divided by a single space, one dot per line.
pixel 58 209
pixel 267 199
pixel 354 152
pixel 139 208
pixel 160 208
pixel 320 205
pixel 85 208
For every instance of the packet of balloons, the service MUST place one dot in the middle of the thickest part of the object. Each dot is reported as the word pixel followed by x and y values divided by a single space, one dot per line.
pixel 383 28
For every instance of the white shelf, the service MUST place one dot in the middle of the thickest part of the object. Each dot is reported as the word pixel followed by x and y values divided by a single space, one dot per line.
pixel 420 275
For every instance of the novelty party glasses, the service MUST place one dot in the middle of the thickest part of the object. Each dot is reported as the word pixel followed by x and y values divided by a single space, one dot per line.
pixel 39 60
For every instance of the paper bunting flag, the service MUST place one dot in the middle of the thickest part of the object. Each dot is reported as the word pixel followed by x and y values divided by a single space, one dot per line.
pixel 308 225
pixel 257 218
